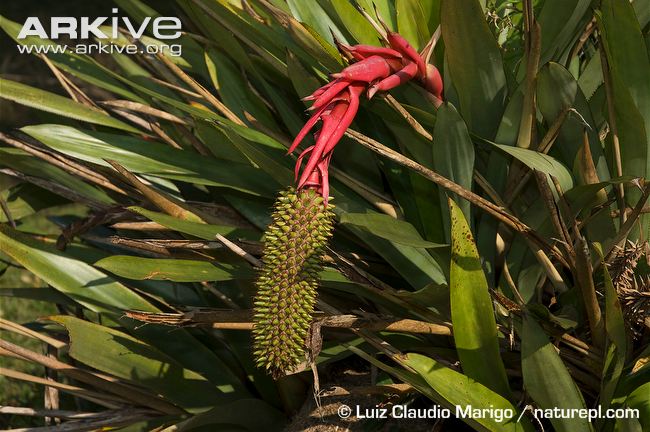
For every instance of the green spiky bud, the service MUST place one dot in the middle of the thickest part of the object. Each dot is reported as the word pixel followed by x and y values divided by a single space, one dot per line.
pixel 286 288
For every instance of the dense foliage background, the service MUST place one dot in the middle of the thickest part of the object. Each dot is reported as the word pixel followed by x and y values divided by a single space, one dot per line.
pixel 491 252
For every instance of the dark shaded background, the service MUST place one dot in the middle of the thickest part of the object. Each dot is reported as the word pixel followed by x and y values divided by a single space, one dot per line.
pixel 29 69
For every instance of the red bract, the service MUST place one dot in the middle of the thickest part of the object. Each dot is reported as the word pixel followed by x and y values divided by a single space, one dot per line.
pixel 400 77
pixel 367 70
pixel 378 69
pixel 360 52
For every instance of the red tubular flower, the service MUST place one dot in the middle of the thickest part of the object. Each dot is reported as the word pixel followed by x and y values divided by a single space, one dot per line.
pixel 367 70
pixel 433 81
pixel 400 44
pixel 360 52
pixel 400 77
pixel 336 103
pixel 328 94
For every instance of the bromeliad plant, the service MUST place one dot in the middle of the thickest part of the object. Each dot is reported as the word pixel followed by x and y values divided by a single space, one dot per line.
pixel 490 250
pixel 302 223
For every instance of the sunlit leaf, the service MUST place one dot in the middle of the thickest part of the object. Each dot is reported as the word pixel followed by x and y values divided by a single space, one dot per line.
pixel 176 270
pixel 136 361
pixel 546 378
pixel 472 313
pixel 143 157
pixel 389 228
pixel 50 102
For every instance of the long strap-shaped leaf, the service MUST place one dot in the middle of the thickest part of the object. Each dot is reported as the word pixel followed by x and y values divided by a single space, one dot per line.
pixel 456 392
pixel 50 102
pixel 475 64
pixel 472 313
pixel 546 378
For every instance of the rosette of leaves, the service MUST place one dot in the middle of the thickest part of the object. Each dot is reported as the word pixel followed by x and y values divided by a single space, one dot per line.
pixel 203 138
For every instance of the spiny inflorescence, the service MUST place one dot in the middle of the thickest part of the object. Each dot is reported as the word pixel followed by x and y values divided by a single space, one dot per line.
pixel 294 244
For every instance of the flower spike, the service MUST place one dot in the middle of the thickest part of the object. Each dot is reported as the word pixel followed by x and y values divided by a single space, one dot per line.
pixel 303 219
pixel 377 69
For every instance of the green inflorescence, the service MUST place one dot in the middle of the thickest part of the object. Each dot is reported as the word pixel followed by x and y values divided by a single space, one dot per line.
pixel 286 294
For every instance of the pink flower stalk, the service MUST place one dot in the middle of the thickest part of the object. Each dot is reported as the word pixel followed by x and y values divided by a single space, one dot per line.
pixel 378 69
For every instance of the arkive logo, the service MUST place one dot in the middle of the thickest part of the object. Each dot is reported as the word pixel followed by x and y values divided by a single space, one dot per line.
pixel 164 28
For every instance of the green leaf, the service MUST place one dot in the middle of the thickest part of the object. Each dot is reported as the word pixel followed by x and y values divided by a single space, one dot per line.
pixel 642 10
pixel 73 64
pixel 24 200
pixel 591 77
pixel 616 331
pixel 355 23
pixel 218 16
pixel 144 157
pixel 558 91
pixel 176 270
pixel 417 197
pixel 629 66
pixel 189 56
pixel 50 102
pixel 137 9
pixel 27 164
pixel 462 391
pixel 79 281
pixel 135 76
pixel 385 11
pixel 546 378
pixel 472 313
pixel 453 155
pixel 42 294
pixel 475 64
pixel 626 52
pixel 452 389
pixel 417 20
pixel 416 265
pixel 560 96
pixel 559 34
pixel 135 361
pixel 99 293
pixel 389 228
pixel 303 81
pixel 196 229
pixel 508 130
pixel 271 161
pixel 310 47
pixel 541 162
pixel 234 90
pixel 312 14
pixel 640 399
pixel 236 416
pixel 205 114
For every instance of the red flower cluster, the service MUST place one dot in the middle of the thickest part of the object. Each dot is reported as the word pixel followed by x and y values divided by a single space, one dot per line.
pixel 336 103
